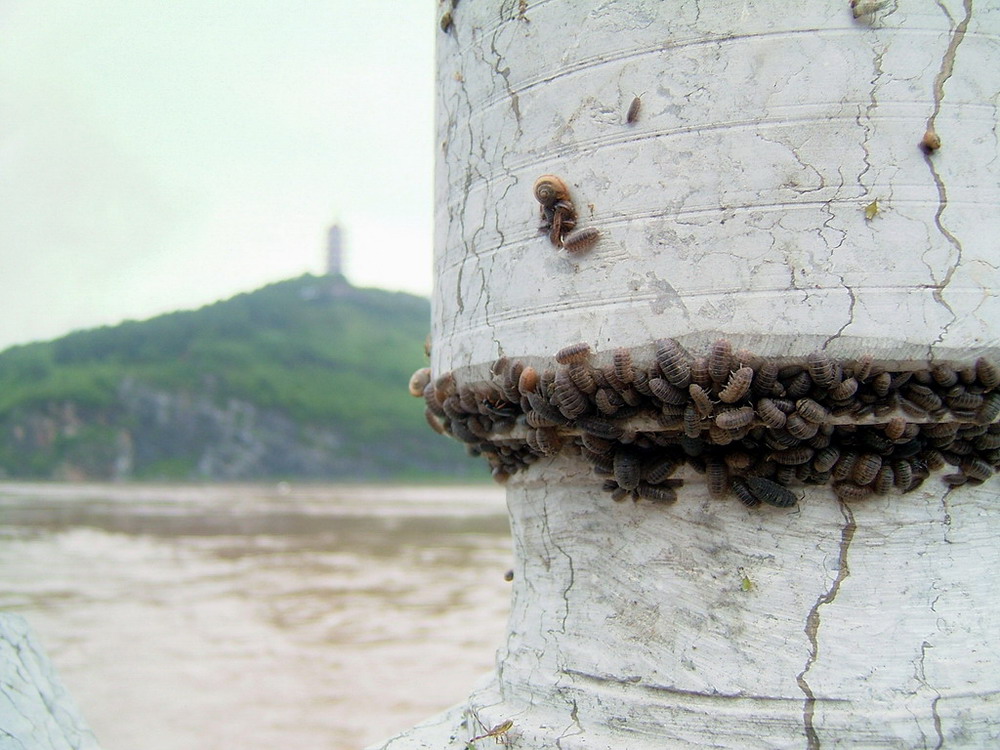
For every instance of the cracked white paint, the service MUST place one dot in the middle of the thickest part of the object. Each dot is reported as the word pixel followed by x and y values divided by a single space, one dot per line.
pixel 36 712
pixel 733 207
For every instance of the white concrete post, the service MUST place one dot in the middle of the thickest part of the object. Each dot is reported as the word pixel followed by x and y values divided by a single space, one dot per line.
pixel 36 712
pixel 771 191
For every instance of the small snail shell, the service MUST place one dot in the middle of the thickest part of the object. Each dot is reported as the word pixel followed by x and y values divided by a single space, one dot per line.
pixel 419 381
pixel 549 189
pixel 931 141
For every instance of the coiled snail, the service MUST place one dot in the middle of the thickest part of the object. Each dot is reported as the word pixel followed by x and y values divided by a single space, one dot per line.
pixel 549 189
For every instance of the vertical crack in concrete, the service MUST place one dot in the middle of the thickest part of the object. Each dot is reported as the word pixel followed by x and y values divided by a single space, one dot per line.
pixel 947 68
pixel 503 71
pixel 937 723
pixel 864 119
pixel 812 625
pixel 921 677
pixel 574 721
pixel 569 560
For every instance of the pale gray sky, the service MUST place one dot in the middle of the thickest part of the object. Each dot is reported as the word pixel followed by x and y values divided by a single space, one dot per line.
pixel 162 155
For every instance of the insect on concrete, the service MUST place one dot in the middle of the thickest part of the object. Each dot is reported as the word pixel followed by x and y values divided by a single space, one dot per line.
pixel 581 239
pixel 633 110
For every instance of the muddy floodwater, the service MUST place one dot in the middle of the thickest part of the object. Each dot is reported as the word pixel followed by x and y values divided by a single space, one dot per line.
pixel 244 617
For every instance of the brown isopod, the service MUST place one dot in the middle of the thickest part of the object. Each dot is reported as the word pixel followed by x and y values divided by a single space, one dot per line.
pixel 988 373
pixel 717 476
pixel 885 480
pixel 600 427
pixel 785 475
pixel 692 421
pixel 733 419
pixel 702 400
pixel 792 456
pixel 903 471
pixel 923 397
pixel 770 414
pixel 765 378
pixel 737 386
pixel 619 494
pixel 582 376
pixel 742 491
pixel 988 442
pixel 895 428
pixel 656 494
pixel 698 372
pixel 608 402
pixel 547 441
pixel 866 468
pixel 944 375
pixel 431 400
pixel 574 353
pixel 976 468
pixel 611 378
pixel 800 428
pixel 528 381
pixel 433 421
pixel 862 368
pixel 660 468
pixel 844 466
pixel 990 409
pixel 673 362
pixel 622 363
pixel 667 393
pixel 798 385
pixel 720 360
pixel 581 239
pixel 850 492
pixel 811 411
pixel 955 480
pixel 738 460
pixel 627 468
pixel 881 383
pixel 844 390
pixel 633 111
pixel 534 419
pixel 821 369
pixel 825 459
pixel 569 399
pixel 963 401
pixel 771 493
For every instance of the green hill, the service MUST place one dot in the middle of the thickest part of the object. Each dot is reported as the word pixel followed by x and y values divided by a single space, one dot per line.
pixel 301 379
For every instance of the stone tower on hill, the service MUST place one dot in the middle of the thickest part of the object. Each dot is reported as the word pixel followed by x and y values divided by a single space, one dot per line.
pixel 335 251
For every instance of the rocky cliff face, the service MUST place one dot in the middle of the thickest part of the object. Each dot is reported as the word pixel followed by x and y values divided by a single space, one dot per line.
pixel 151 433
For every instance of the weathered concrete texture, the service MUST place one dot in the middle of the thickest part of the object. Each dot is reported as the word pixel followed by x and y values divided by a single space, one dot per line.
pixel 772 192
pixel 705 624
pixel 736 203
pixel 36 712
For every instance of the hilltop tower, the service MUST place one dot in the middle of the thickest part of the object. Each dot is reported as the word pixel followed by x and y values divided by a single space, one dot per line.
pixel 335 251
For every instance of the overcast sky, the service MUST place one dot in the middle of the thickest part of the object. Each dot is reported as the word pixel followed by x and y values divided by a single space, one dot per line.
pixel 159 155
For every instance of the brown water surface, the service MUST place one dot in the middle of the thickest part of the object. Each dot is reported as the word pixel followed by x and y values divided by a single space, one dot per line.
pixel 217 617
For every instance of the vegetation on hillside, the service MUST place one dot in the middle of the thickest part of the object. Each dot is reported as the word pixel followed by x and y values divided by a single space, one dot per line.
pixel 314 349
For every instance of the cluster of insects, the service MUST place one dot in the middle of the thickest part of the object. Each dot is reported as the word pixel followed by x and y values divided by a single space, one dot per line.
pixel 559 216
pixel 754 427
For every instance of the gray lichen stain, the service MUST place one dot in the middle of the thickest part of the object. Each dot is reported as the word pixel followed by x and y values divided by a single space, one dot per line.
pixel 665 295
